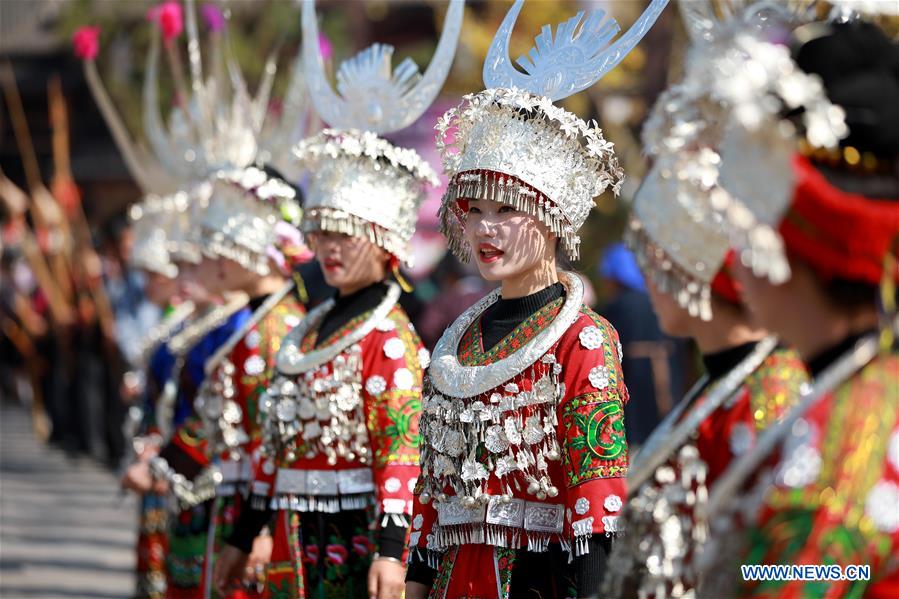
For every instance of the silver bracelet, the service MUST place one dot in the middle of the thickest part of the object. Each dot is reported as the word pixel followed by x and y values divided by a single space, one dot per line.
pixel 385 558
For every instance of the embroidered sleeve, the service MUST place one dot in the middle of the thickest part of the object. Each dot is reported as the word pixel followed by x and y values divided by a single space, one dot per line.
pixel 592 428
pixel 424 517
pixel 392 378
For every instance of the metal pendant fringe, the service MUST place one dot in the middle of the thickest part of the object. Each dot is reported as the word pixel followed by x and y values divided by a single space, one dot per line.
pixel 328 504
pixel 337 221
pixel 504 189
pixel 691 294
pixel 253 261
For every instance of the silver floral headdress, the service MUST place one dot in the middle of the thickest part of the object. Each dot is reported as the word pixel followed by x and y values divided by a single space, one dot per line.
pixel 684 216
pixel 216 126
pixel 511 144
pixel 241 221
pixel 735 97
pixel 150 220
pixel 361 184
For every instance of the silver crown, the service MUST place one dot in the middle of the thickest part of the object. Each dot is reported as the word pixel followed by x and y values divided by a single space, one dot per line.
pixel 361 184
pixel 510 143
pixel 245 208
pixel 736 88
pixel 150 220
pixel 685 217
pixel 364 186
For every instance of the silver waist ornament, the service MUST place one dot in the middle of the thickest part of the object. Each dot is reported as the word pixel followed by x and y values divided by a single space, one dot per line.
pixel 668 486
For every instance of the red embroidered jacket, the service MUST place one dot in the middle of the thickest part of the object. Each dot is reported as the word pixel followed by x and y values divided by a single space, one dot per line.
pixel 539 459
pixel 358 434
pixel 835 499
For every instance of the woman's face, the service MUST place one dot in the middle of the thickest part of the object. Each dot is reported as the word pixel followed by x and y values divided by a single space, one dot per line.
pixel 772 306
pixel 506 243
pixel 160 289
pixel 673 319
pixel 348 263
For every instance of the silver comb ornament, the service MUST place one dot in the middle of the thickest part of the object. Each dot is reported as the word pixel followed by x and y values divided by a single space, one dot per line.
pixel 577 58
pixel 371 96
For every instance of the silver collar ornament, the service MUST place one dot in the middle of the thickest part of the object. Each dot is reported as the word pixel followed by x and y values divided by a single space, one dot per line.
pixel 511 144
pixel 363 185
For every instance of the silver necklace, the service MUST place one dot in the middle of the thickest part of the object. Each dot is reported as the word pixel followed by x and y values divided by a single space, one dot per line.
pixel 292 361
pixel 163 331
pixel 644 468
pixel 240 333
pixel 187 338
pixel 453 379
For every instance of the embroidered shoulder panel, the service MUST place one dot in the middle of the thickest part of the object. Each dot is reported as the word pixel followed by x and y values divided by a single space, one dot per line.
pixel 774 386
pixel 309 341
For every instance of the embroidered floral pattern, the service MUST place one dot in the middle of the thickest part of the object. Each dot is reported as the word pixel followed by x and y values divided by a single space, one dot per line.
pixel 403 379
pixel 599 377
pixel 596 444
pixel 471 347
pixel 376 385
pixel 394 348
pixel 612 503
pixel 582 506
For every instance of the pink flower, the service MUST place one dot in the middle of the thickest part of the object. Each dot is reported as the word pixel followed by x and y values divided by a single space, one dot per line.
pixel 213 17
pixel 324 46
pixel 362 545
pixel 86 42
pixel 336 554
pixel 170 18
pixel 310 554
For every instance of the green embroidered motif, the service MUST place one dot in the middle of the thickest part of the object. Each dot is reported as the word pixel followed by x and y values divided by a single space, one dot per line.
pixel 596 445
pixel 400 431
pixel 601 424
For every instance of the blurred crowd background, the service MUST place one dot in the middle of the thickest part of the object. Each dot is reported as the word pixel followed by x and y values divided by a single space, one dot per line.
pixel 73 312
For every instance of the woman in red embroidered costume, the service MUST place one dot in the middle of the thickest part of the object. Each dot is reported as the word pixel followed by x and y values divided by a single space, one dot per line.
pixel 340 420
pixel 254 254
pixel 750 381
pixel 824 488
pixel 523 442
pixel 150 253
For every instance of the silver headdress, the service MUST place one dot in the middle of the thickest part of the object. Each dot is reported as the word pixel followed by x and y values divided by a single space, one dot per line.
pixel 681 218
pixel 511 144
pixel 734 85
pixel 151 219
pixel 224 132
pixel 363 185
pixel 243 215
